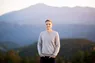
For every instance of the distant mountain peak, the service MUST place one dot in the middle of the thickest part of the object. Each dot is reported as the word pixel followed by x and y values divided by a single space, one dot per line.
pixel 39 5
pixel 41 11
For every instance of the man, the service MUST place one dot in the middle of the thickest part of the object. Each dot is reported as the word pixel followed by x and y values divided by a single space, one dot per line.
pixel 48 44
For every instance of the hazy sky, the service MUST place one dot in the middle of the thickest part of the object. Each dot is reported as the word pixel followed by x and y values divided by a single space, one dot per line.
pixel 12 5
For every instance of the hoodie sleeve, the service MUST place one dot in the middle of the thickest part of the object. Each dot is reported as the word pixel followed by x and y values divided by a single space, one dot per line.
pixel 57 44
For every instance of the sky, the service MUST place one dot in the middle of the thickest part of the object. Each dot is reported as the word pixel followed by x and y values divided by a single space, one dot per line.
pixel 14 5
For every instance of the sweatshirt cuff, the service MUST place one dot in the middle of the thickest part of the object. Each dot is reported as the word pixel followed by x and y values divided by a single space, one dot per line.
pixel 41 55
pixel 54 55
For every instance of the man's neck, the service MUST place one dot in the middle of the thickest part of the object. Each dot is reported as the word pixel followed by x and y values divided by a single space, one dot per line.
pixel 49 30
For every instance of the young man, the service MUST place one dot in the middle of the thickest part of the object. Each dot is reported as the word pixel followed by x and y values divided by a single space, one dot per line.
pixel 48 44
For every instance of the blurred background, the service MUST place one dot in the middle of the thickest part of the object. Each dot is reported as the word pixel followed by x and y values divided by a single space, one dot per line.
pixel 21 22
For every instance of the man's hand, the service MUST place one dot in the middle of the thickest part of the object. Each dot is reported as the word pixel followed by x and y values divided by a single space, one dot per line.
pixel 52 56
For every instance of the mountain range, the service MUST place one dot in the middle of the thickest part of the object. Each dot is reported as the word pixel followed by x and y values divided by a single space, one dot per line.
pixel 37 14
pixel 24 26
pixel 5 46
pixel 27 34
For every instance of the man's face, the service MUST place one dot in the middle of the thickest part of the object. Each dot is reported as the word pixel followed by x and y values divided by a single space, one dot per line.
pixel 48 25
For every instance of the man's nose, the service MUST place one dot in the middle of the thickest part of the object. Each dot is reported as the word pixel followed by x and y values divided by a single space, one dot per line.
pixel 48 25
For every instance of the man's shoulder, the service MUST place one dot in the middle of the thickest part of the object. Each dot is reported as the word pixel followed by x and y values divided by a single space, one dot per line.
pixel 42 32
pixel 55 32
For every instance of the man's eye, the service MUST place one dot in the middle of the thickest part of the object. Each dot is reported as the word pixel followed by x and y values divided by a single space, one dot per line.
pixel 48 24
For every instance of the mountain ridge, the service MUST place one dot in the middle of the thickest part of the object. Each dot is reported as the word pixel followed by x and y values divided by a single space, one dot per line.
pixel 28 34
pixel 40 12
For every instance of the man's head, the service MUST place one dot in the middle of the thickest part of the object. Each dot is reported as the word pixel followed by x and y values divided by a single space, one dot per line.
pixel 48 24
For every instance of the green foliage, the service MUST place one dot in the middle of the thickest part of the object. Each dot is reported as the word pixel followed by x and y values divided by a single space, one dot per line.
pixel 84 57
pixel 1 57
pixel 78 57
pixel 72 51
pixel 13 57
pixel 60 60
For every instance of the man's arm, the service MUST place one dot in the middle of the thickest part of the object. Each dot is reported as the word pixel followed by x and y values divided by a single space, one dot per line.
pixel 57 43
pixel 39 45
